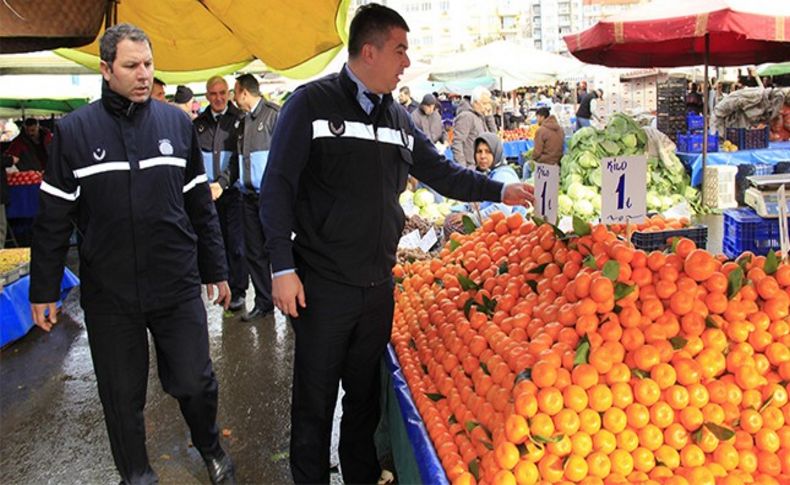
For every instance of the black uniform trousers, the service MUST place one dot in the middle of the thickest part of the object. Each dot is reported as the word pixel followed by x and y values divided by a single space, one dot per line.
pixel 340 337
pixel 229 211
pixel 258 263
pixel 119 347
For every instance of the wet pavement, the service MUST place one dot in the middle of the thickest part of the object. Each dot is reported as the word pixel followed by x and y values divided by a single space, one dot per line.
pixel 52 426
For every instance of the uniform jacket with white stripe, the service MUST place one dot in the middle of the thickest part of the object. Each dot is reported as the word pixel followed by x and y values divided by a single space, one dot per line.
pixel 334 177
pixel 255 137
pixel 218 141
pixel 130 176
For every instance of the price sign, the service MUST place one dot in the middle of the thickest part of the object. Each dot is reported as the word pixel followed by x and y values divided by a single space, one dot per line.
pixel 428 240
pixel 410 240
pixel 623 189
pixel 547 184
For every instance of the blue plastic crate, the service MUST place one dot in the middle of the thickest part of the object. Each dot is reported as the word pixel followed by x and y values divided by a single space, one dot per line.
pixel 744 230
pixel 660 240
pixel 682 143
pixel 763 169
pixel 695 122
pixel 749 138
pixel 695 143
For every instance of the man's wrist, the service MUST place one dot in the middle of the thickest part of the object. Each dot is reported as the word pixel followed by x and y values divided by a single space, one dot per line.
pixel 283 272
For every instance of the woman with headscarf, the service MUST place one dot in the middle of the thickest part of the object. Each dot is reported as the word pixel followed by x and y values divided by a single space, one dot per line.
pixel 490 159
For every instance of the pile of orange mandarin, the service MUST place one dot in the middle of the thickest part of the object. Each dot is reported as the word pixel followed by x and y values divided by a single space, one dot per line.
pixel 539 357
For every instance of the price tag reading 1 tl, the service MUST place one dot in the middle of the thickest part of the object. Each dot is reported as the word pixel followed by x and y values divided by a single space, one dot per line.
pixel 547 184
pixel 623 189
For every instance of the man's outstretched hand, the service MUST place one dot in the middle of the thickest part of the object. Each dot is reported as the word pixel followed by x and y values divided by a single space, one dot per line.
pixel 519 194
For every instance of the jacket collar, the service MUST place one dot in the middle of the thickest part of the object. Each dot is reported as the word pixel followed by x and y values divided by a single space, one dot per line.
pixel 258 109
pixel 118 105
pixel 352 89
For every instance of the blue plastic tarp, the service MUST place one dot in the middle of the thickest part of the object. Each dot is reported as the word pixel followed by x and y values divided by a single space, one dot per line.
pixel 770 156
pixel 15 317
pixel 431 470
pixel 23 201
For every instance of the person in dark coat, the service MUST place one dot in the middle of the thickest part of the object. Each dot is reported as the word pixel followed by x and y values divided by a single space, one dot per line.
pixel 470 122
pixel 404 97
pixel 126 171
pixel 428 120
pixel 341 154
pixel 29 149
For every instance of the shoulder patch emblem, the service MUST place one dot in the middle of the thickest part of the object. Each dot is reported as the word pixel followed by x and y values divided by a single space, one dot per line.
pixel 260 126
pixel 337 126
pixel 201 127
pixel 99 154
pixel 165 147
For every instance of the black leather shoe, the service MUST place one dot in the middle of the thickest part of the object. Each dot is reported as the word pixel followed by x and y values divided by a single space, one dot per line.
pixel 256 312
pixel 220 468
pixel 236 304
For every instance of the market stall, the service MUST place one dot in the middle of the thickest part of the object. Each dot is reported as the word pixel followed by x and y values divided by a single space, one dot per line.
pixel 670 34
pixel 776 153
pixel 535 354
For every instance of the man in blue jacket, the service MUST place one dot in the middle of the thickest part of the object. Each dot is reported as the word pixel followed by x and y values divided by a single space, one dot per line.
pixel 340 156
pixel 127 172
pixel 255 137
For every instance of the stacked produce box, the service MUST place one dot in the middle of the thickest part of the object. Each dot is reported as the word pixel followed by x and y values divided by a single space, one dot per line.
pixel 671 107
pixel 25 178
pixel 14 264
pixel 535 356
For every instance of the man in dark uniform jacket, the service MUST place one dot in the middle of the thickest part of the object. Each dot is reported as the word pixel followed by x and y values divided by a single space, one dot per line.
pixel 255 137
pixel 127 172
pixel 340 156
pixel 217 131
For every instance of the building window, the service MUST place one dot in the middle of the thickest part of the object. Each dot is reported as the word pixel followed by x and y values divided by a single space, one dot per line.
pixel 444 5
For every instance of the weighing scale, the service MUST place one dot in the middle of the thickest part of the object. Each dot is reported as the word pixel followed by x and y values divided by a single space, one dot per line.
pixel 762 195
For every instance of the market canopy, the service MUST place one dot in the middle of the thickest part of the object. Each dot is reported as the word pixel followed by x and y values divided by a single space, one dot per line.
pixel 515 64
pixel 779 69
pixel 194 39
pixel 45 62
pixel 41 95
pixel 668 33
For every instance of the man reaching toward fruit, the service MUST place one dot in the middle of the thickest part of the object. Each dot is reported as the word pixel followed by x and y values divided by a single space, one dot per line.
pixel 340 155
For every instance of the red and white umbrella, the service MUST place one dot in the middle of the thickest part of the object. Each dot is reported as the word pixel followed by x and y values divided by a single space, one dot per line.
pixel 671 34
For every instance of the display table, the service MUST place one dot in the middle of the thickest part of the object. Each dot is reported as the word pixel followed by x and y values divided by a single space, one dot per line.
pixel 23 201
pixel 415 457
pixel 15 316
pixel 777 152
pixel 510 149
